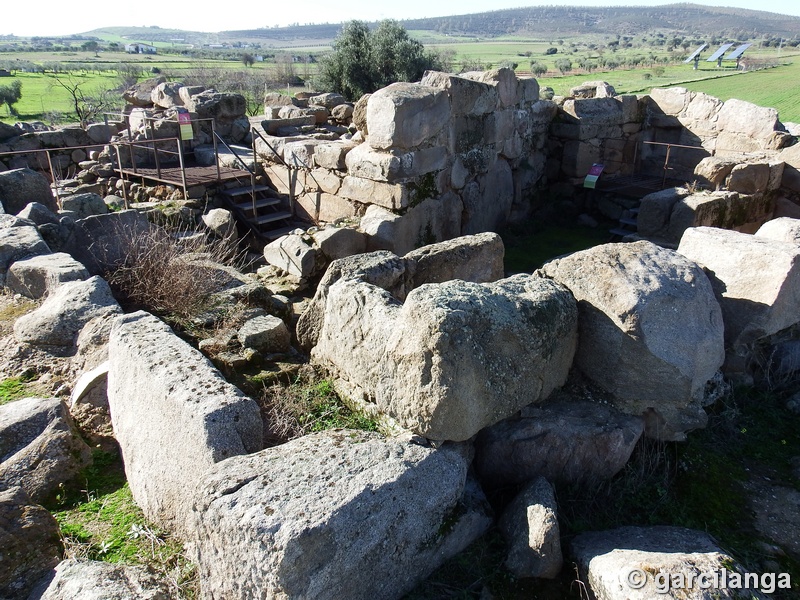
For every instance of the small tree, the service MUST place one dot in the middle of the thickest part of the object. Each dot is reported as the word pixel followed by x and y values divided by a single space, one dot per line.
pixel 564 65
pixel 538 69
pixel 248 59
pixel 87 104
pixel 551 50
pixel 10 95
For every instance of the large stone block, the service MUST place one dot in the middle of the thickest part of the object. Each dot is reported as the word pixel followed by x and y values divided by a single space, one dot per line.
pixel 338 514
pixel 783 229
pixel 455 357
pixel 174 416
pixel 333 154
pixel 756 280
pixel 18 243
pixel 488 200
pixel 467 97
pixel 477 258
pixel 94 580
pixel 406 115
pixel 292 254
pixel 39 276
pixel 389 195
pixel 19 187
pixel 651 331
pixel 62 316
pixel 40 450
pixel 394 166
pixel 504 80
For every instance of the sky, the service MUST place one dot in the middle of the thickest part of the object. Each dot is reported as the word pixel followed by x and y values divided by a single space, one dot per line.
pixel 56 17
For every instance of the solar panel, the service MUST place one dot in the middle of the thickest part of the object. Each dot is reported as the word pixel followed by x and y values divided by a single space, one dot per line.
pixel 695 53
pixel 720 51
pixel 738 52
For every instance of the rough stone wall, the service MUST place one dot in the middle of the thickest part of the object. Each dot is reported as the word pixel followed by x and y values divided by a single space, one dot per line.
pixel 448 156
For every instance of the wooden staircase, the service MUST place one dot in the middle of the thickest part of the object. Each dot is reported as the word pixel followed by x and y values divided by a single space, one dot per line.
pixel 262 209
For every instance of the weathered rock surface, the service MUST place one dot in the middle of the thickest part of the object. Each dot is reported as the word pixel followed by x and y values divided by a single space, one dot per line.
pixel 39 447
pixel 38 213
pixel 651 331
pixel 88 405
pixel 455 357
pixel 17 243
pixel 173 414
pixel 94 580
pixel 406 115
pixel 18 187
pixel 340 242
pixel 221 223
pixel 756 280
pixel 84 205
pixel 566 440
pixel 782 229
pixel 39 276
pixel 60 318
pixel 292 254
pixel 339 514
pixel 30 543
pixel 530 526
pixel 606 560
pixel 266 334
pixel 103 242
pixel 477 258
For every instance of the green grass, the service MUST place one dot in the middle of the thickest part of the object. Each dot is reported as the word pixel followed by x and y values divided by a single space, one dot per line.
pixel 14 388
pixel 102 522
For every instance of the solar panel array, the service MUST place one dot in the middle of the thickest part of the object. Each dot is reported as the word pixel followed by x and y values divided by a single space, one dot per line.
pixel 720 51
pixel 695 53
pixel 738 52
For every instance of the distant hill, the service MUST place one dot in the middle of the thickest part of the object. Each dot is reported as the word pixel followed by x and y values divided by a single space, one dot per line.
pixel 537 21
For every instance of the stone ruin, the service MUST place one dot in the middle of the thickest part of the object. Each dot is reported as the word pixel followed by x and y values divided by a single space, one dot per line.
pixel 484 381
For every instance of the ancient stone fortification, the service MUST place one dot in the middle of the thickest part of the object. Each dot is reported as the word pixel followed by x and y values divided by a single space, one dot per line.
pixel 466 367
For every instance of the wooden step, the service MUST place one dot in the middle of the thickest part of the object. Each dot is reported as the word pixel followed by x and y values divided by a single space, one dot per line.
pixel 262 219
pixel 233 192
pixel 628 221
pixel 259 203
pixel 634 211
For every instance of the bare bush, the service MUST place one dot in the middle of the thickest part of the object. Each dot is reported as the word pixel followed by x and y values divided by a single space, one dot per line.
pixel 161 272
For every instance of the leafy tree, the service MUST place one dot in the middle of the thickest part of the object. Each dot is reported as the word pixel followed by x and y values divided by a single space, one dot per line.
pixel 10 95
pixel 91 46
pixel 551 50
pixel 538 69
pixel 248 59
pixel 365 60
pixel 564 65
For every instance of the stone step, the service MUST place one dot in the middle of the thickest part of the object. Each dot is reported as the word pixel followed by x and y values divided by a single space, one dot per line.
pixel 246 190
pixel 274 234
pixel 259 203
pixel 261 220
pixel 628 221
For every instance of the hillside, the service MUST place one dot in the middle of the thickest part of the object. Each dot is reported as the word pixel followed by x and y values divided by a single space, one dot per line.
pixel 535 21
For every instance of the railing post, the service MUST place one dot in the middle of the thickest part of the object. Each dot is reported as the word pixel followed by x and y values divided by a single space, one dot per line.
pixel 122 177
pixel 155 149
pixel 183 168
pixel 216 150
pixel 53 177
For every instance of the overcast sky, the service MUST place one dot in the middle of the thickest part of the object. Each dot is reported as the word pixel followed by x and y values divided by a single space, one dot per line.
pixel 57 17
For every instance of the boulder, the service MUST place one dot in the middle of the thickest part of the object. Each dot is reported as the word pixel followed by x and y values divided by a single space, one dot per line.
pixel 93 580
pixel 530 527
pixel 167 94
pixel 782 229
pixel 339 242
pixel 174 416
pixel 221 223
pixel 714 170
pixel 651 331
pixel 292 254
pixel 477 258
pixel 567 439
pixel 8 131
pixel 503 79
pixel 39 276
pixel 467 97
pixel 655 212
pixel 211 104
pixel 343 113
pixel 329 100
pixel 593 89
pixel 30 543
pixel 84 205
pixel 17 243
pixel 337 514
pixel 40 450
pixel 456 356
pixel 266 334
pixel 639 563
pixel 406 115
pixel 19 187
pixel 141 94
pixel 748 178
pixel 60 318
pixel 756 280
pixel 38 214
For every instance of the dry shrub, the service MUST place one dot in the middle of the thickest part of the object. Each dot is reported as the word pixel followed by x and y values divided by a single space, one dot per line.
pixel 161 272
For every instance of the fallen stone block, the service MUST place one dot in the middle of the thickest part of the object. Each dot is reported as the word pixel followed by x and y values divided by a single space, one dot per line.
pixel 530 527
pixel 19 187
pixel 60 318
pixel 39 276
pixel 406 115
pixel 17 243
pixel 756 280
pixel 266 334
pixel 338 514
pixel 782 229
pixel 292 254
pixel 174 416
pixel 651 331
pixel 94 580
pixel 40 450
pixel 566 440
